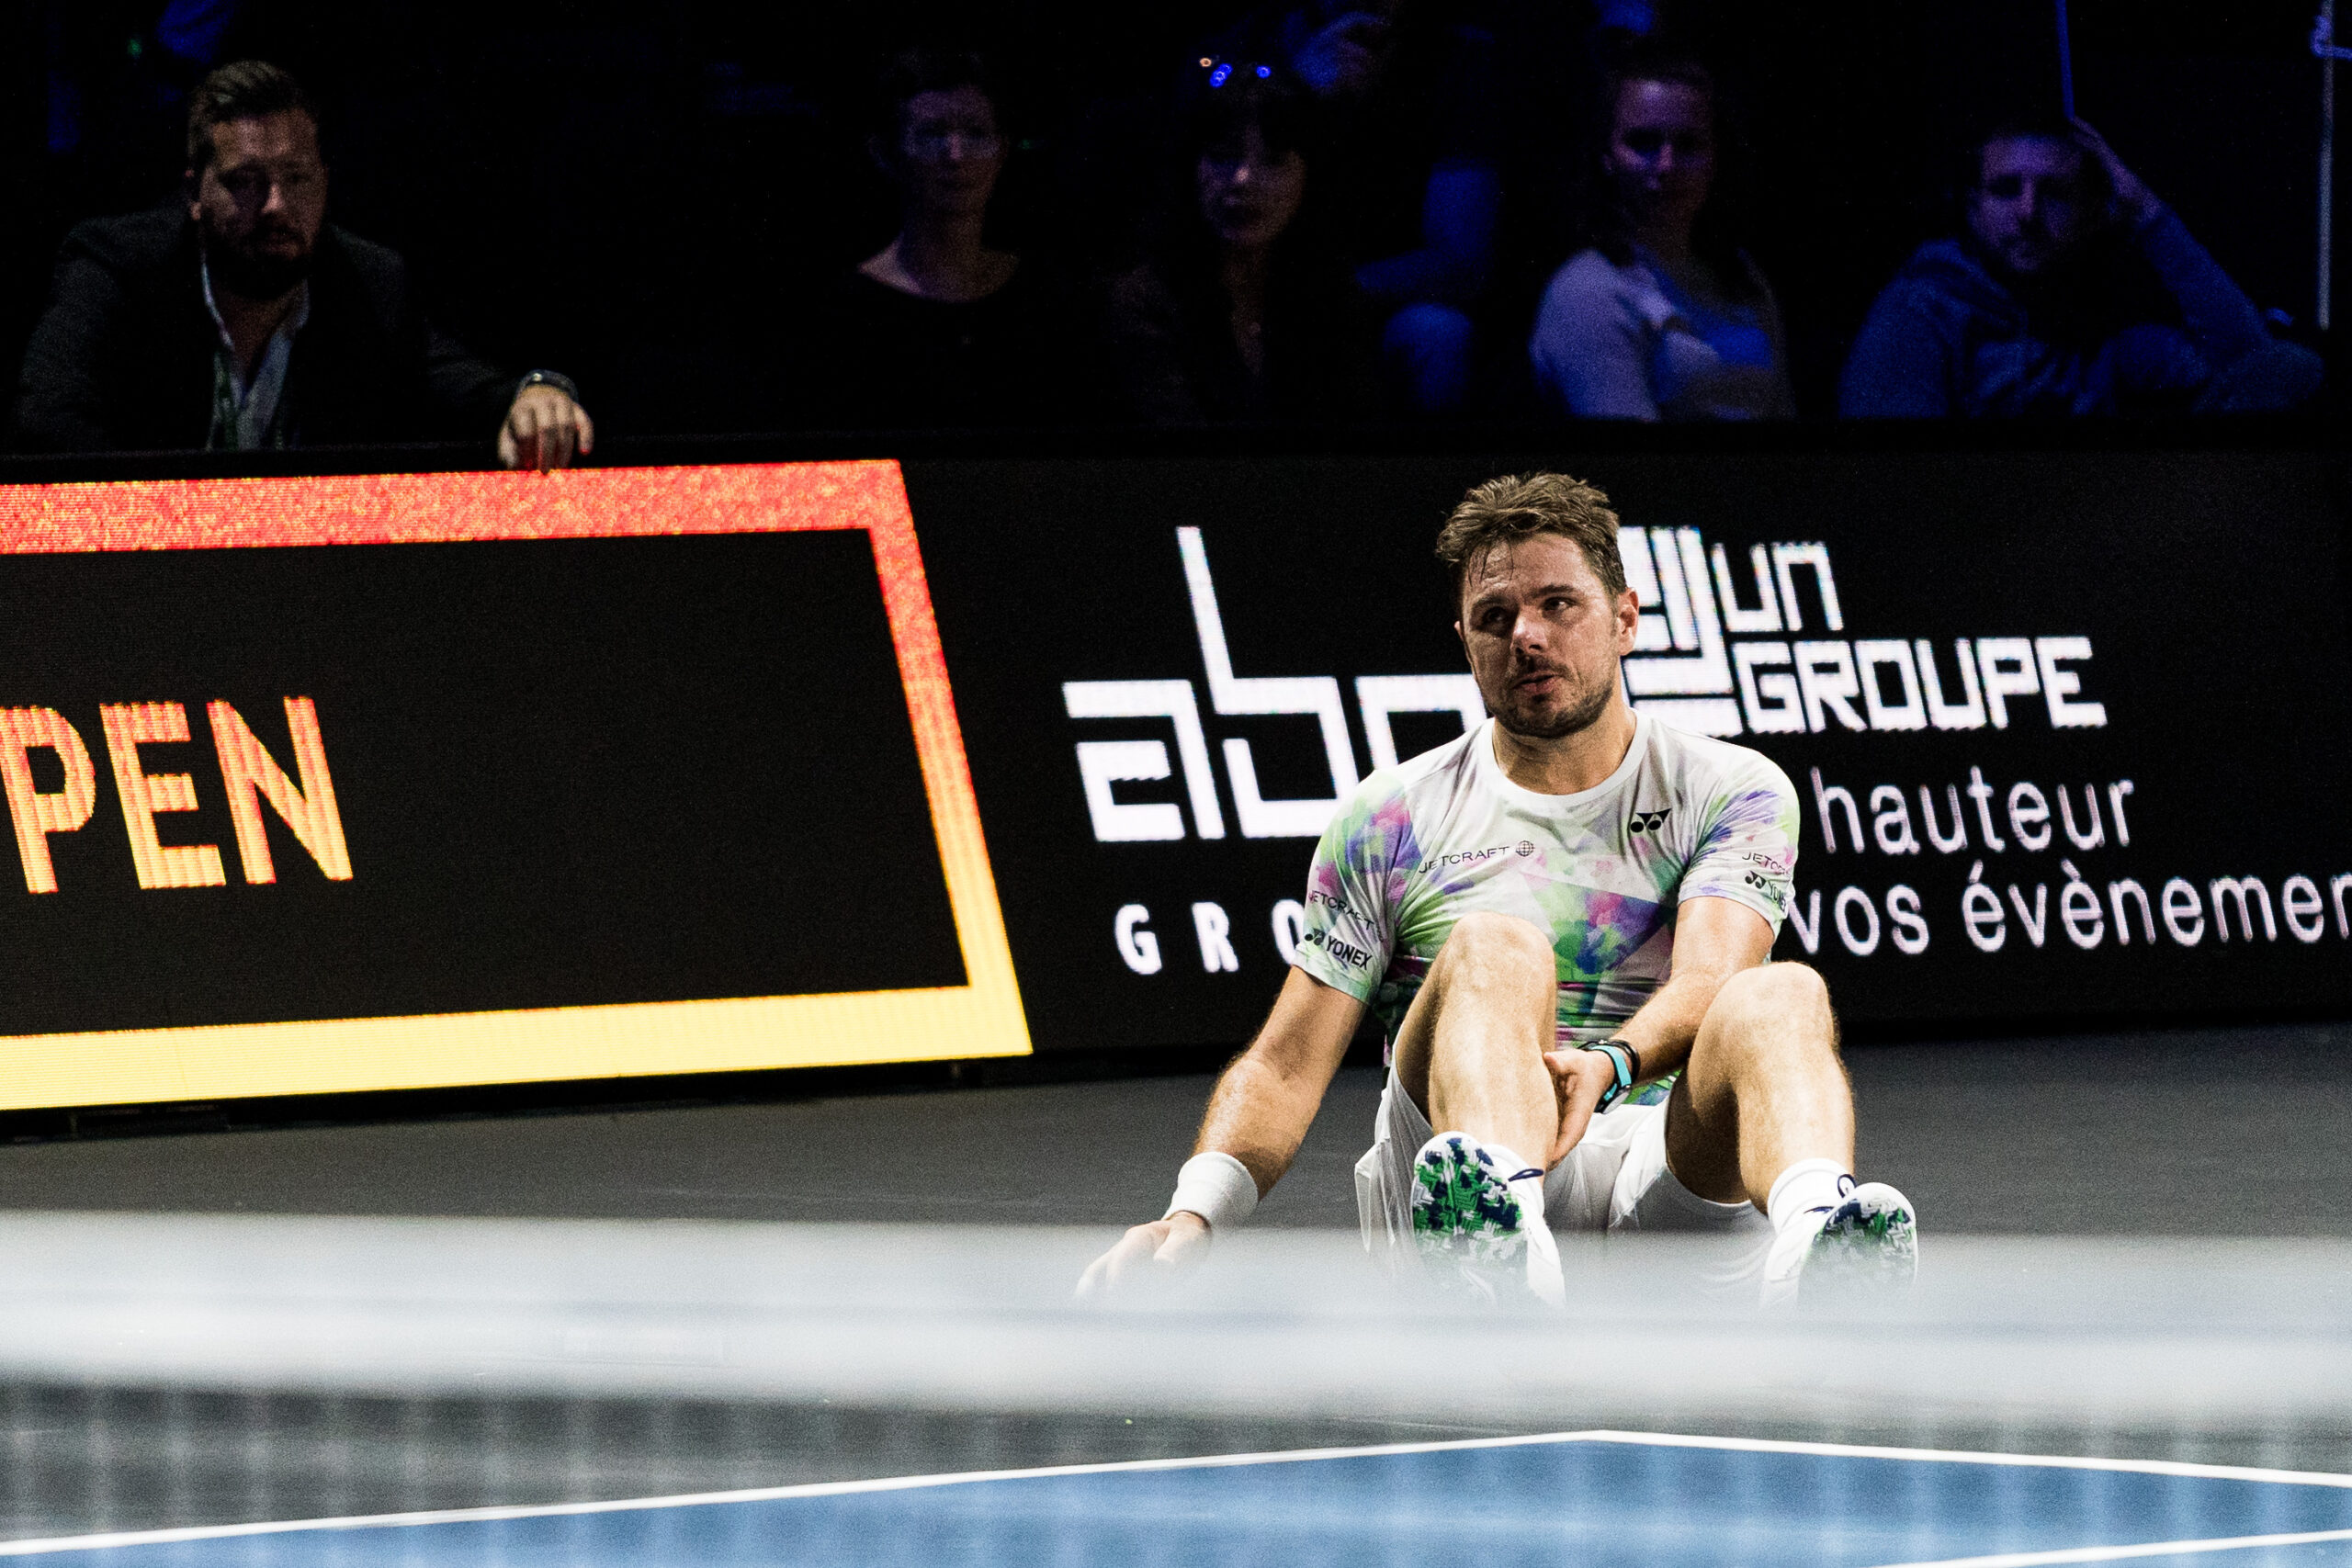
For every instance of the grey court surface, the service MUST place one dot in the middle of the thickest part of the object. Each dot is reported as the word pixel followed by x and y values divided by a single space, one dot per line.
pixel 2219 1132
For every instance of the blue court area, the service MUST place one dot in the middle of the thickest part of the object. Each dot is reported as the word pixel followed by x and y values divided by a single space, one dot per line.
pixel 1592 1499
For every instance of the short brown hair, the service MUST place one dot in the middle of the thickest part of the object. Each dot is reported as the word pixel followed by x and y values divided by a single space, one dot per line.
pixel 245 89
pixel 1518 506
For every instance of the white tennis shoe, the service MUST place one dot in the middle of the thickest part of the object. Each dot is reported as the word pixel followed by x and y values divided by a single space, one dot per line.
pixel 1864 1246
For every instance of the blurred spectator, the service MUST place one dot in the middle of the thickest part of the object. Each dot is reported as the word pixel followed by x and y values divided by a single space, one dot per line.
pixel 941 328
pixel 243 319
pixel 1244 314
pixel 1662 315
pixel 1413 94
pixel 2073 291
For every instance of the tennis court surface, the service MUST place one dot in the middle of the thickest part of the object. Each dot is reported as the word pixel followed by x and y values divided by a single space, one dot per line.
pixel 1588 1497
pixel 203 1390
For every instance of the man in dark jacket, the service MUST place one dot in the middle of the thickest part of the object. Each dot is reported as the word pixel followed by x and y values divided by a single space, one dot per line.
pixel 246 320
pixel 2073 292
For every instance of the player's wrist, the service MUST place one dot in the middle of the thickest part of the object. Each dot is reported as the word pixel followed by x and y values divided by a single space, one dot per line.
pixel 1626 1068
pixel 1216 1188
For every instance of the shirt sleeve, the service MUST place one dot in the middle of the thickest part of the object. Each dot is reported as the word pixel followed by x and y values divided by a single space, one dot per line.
pixel 2222 320
pixel 1901 364
pixel 1748 849
pixel 1590 348
pixel 1350 931
pixel 62 401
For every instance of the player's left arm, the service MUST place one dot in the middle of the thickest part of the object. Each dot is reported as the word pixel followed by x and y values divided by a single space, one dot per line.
pixel 1713 939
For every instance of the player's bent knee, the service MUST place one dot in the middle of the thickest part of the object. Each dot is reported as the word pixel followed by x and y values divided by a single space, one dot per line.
pixel 1776 991
pixel 1483 940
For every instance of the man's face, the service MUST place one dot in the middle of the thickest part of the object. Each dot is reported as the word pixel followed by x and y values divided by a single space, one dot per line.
pixel 261 202
pixel 1543 636
pixel 2028 207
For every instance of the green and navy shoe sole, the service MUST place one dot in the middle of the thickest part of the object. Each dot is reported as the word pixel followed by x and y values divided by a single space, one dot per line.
pixel 1870 1244
pixel 1463 1214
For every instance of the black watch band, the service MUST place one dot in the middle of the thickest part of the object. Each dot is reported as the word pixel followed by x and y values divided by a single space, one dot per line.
pixel 556 378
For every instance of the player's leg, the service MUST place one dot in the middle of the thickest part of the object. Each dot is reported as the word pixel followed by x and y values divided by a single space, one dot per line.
pixel 1763 1090
pixel 1764 1113
pixel 1470 1054
pixel 1470 1050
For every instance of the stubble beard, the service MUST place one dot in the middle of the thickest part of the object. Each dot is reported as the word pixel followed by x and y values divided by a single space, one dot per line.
pixel 254 275
pixel 1592 701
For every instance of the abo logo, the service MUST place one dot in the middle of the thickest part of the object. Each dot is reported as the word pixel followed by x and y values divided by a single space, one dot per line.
pixel 247 771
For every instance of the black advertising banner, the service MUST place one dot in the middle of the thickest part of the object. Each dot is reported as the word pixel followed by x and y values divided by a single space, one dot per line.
pixel 2068 730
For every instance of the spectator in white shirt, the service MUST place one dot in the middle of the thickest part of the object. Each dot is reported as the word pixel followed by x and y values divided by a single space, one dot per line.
pixel 1661 315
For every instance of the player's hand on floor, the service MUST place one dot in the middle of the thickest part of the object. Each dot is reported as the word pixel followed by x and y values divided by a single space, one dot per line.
pixel 1148 1255
pixel 1579 1080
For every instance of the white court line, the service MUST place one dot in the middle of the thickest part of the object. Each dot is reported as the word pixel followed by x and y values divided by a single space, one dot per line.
pixel 2118 1554
pixel 754 1494
pixel 1964 1456
pixel 1214 1462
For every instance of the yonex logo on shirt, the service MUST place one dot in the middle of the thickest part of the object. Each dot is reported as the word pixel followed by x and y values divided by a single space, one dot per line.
pixel 1647 821
pixel 1347 952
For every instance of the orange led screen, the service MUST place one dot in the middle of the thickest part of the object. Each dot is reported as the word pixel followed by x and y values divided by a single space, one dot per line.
pixel 396 781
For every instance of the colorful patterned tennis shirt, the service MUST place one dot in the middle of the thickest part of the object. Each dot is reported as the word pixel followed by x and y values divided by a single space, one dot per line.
pixel 1420 845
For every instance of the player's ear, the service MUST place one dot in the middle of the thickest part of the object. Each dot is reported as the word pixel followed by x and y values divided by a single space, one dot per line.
pixel 1629 620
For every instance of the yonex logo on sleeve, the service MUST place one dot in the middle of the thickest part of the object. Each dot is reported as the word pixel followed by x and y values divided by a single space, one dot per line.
pixel 1347 952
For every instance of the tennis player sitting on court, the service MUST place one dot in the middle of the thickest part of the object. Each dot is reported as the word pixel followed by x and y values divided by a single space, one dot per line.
pixel 1563 921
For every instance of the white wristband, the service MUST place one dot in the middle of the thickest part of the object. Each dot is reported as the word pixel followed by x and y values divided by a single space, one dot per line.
pixel 1217 1187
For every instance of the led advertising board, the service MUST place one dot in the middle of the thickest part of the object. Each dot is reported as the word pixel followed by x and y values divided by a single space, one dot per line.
pixel 368 782
pixel 380 782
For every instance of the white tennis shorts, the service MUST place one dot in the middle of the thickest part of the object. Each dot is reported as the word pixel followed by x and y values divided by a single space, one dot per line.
pixel 1614 1181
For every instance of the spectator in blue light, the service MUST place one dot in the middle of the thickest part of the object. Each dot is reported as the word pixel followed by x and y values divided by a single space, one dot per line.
pixel 1662 315
pixel 1243 314
pixel 1413 97
pixel 2072 291
pixel 941 327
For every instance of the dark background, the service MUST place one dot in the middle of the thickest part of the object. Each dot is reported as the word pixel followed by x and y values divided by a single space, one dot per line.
pixel 650 197
pixel 2209 582
pixel 570 773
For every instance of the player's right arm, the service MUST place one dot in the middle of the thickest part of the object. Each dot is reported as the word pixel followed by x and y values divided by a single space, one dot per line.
pixel 1258 1114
